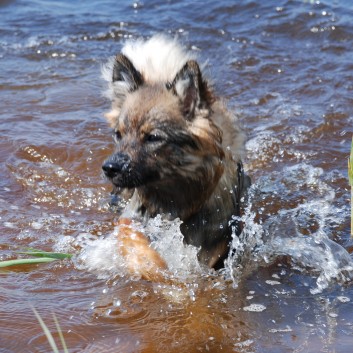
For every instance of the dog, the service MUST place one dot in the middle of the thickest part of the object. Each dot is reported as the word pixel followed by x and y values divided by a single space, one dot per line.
pixel 178 148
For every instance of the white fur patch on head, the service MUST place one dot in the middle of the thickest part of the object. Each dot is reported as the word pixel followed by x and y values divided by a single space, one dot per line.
pixel 158 59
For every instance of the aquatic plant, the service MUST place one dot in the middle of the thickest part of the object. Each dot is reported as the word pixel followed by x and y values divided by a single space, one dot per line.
pixel 38 256
pixel 48 334
pixel 350 177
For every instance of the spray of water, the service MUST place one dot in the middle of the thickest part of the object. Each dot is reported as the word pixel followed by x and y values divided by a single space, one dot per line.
pixel 301 233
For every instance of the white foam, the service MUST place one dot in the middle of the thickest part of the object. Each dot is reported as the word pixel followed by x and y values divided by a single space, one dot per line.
pixel 167 239
pixel 255 308
pixel 286 329
pixel 101 256
pixel 10 225
pixel 343 299
pixel 37 225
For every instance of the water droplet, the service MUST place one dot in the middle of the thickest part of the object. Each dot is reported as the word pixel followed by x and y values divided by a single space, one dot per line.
pixel 343 299
pixel 37 225
pixel 117 302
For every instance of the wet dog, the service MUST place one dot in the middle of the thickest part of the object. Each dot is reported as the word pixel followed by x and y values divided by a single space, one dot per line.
pixel 178 147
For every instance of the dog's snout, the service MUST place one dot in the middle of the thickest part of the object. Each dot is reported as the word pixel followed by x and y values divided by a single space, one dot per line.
pixel 116 165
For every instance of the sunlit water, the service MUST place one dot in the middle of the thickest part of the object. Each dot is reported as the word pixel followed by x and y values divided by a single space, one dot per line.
pixel 286 69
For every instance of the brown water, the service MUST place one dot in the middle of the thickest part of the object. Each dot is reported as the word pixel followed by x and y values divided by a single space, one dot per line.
pixel 286 68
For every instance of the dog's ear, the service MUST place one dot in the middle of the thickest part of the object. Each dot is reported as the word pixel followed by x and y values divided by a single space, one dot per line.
pixel 124 72
pixel 124 79
pixel 192 90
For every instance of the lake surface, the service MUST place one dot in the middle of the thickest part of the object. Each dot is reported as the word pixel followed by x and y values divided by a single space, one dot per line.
pixel 286 68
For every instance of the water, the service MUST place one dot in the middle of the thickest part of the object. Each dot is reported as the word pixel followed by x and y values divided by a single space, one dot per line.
pixel 285 67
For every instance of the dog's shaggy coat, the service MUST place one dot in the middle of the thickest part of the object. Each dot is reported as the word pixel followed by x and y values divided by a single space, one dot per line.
pixel 178 147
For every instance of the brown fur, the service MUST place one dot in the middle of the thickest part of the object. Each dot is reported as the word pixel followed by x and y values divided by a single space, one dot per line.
pixel 178 151
pixel 141 259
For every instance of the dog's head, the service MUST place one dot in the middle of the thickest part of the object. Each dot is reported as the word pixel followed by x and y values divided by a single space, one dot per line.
pixel 163 131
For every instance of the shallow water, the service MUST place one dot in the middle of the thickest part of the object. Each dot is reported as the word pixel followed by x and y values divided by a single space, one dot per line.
pixel 286 68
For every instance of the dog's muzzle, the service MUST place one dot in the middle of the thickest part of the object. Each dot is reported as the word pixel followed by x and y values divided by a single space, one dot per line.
pixel 115 165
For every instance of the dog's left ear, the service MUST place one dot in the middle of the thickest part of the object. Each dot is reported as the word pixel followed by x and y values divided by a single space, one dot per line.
pixel 192 90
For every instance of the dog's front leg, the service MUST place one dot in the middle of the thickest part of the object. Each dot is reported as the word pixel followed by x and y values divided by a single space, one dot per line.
pixel 141 259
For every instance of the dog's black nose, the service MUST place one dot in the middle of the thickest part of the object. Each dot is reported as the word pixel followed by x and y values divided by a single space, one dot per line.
pixel 116 165
pixel 110 169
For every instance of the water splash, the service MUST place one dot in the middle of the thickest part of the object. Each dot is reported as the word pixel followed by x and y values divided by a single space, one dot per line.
pixel 301 231
pixel 101 255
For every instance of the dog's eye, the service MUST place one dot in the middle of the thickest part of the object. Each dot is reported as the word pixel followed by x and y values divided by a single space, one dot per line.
pixel 117 135
pixel 153 137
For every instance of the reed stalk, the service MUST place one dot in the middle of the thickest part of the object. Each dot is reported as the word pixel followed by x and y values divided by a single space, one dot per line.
pixel 37 257
pixel 48 334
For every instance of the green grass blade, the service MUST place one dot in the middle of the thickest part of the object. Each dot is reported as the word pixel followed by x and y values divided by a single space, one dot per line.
pixel 17 262
pixel 45 329
pixel 39 253
pixel 63 343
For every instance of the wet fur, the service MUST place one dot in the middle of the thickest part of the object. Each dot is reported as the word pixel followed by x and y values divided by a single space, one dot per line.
pixel 178 147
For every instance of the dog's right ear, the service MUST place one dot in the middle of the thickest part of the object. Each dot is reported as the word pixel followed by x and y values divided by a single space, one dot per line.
pixel 124 79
